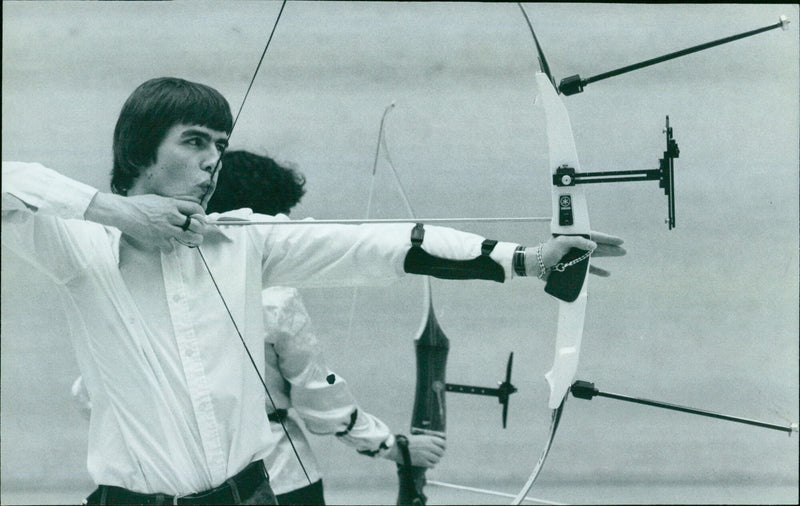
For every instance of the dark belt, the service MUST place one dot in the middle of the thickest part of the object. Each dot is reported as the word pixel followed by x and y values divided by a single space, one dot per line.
pixel 233 491
pixel 279 415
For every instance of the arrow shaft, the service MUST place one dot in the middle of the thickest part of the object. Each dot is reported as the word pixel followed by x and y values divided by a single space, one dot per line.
pixel 513 219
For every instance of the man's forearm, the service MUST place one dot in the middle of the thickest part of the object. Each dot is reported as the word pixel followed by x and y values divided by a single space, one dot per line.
pixel 105 209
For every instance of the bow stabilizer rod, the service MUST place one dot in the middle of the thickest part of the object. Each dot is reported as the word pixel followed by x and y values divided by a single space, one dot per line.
pixel 502 392
pixel 574 84
pixel 586 390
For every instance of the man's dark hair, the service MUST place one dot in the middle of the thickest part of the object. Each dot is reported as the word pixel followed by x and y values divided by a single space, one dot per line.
pixel 152 109
pixel 258 182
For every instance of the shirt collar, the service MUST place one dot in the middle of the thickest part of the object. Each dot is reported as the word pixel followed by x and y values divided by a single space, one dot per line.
pixel 224 233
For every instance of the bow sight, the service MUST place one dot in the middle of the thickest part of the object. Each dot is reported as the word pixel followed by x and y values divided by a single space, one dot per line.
pixel 566 176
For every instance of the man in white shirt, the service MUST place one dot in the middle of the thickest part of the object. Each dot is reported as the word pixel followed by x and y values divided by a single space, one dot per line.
pixel 305 391
pixel 169 338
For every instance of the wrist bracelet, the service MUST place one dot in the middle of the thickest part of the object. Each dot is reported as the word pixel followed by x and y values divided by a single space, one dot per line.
pixel 542 268
pixel 518 261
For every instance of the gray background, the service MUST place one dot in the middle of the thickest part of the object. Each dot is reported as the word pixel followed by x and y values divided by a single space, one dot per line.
pixel 705 315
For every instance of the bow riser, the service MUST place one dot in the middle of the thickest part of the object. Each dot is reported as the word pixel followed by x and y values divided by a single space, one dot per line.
pixel 430 413
pixel 570 217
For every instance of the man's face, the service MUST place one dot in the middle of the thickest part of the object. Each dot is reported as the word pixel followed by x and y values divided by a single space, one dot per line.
pixel 185 163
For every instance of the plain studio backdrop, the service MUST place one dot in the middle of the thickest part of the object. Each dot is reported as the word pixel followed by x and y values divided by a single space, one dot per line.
pixel 705 315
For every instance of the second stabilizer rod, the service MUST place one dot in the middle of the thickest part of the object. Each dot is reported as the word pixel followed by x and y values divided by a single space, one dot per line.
pixel 586 390
pixel 575 84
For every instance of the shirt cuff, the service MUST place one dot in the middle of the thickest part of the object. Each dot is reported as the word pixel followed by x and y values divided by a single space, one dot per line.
pixel 503 254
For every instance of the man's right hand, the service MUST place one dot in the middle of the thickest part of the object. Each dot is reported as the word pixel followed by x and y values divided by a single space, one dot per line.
pixel 151 219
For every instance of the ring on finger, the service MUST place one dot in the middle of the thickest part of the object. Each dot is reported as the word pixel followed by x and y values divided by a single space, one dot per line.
pixel 186 224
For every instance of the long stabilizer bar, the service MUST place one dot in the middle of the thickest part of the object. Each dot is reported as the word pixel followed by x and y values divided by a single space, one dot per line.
pixel 575 84
pixel 586 390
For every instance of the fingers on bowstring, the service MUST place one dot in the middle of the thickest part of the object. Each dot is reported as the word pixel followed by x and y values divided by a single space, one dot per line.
pixel 178 220
pixel 188 208
pixel 189 238
pixel 197 223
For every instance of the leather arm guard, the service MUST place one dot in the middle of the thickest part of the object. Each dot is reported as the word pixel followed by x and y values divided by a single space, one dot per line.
pixel 419 261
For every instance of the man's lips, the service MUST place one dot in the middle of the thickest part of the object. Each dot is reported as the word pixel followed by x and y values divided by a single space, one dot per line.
pixel 204 189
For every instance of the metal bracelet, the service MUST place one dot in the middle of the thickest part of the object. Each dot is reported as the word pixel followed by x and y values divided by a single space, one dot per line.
pixel 542 268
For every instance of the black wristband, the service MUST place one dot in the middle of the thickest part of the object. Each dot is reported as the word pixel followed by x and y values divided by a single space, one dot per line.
pixel 353 418
pixel 518 261
pixel 402 442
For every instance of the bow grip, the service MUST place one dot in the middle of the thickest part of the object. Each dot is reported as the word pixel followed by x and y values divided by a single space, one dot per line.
pixel 567 284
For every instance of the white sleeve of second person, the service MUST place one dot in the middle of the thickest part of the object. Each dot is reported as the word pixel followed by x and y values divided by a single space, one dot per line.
pixel 320 397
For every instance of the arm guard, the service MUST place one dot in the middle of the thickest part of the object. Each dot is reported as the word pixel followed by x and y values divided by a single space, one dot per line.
pixel 419 261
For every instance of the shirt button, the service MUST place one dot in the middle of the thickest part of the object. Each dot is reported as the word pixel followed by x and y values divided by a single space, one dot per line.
pixel 189 353
pixel 176 298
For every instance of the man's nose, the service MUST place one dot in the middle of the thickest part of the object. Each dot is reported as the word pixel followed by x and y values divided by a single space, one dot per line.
pixel 211 161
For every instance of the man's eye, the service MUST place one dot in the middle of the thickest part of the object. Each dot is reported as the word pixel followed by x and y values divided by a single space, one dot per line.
pixel 194 141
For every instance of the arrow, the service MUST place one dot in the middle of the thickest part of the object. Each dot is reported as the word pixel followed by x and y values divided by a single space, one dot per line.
pixel 233 222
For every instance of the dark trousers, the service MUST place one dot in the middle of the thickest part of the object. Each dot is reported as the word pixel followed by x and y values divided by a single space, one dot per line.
pixel 251 486
pixel 309 495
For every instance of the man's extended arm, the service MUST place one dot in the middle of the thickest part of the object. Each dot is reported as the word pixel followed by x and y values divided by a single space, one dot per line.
pixel 325 255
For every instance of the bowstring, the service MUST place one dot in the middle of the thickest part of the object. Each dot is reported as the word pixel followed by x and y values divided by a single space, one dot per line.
pixel 211 275
pixel 258 67
pixel 381 141
pixel 253 362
